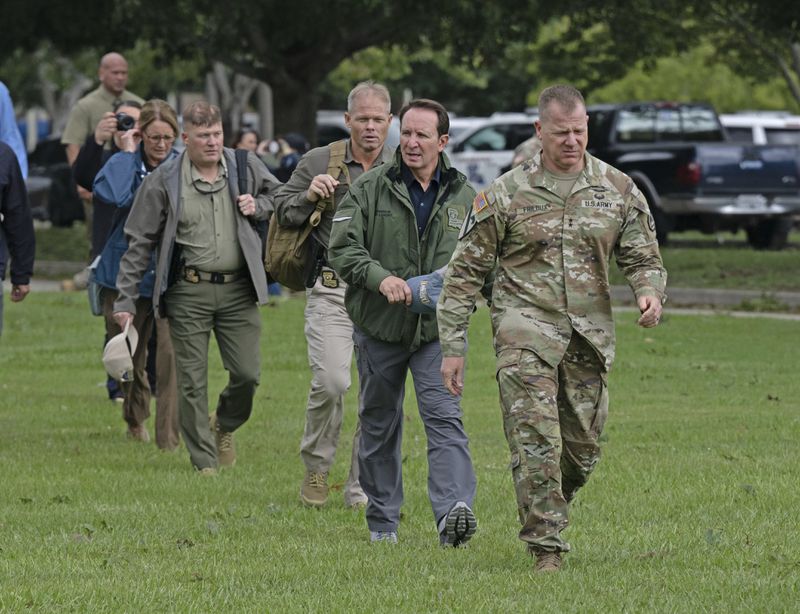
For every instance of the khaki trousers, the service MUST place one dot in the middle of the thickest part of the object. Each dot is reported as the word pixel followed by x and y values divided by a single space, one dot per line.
pixel 231 312
pixel 329 334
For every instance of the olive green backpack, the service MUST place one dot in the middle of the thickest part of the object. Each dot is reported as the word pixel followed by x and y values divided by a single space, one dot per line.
pixel 291 250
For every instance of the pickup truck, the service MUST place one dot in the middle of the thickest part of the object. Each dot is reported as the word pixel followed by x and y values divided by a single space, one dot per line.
pixel 692 177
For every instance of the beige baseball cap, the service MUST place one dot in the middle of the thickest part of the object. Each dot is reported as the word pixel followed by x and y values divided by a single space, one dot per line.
pixel 118 354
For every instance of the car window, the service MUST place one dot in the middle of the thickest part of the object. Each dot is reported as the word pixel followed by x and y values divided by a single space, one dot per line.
pixel 740 135
pixel 636 125
pixel 486 139
pixel 782 136
pixel 646 124
pixel 700 124
pixel 498 137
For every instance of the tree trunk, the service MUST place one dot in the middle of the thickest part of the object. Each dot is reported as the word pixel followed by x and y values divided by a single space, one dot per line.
pixel 295 104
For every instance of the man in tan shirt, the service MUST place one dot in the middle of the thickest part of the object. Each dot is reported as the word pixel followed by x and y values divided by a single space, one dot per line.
pixel 82 121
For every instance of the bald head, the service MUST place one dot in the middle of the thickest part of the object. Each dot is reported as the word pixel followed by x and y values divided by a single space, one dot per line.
pixel 113 73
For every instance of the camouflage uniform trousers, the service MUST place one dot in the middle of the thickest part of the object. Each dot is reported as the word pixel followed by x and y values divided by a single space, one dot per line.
pixel 552 418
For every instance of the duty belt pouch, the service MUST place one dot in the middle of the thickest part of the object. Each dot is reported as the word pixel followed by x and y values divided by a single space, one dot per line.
pixel 314 263
pixel 175 265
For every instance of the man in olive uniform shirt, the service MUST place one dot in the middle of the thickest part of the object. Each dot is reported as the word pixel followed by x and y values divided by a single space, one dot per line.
pixel 550 227
pixel 82 121
pixel 329 331
pixel 89 110
pixel 209 276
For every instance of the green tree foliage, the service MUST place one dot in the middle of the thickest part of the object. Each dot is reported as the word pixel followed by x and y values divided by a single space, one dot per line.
pixel 44 77
pixel 601 41
pixel 463 88
pixel 291 46
pixel 695 75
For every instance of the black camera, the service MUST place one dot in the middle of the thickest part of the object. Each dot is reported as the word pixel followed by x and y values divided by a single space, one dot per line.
pixel 125 122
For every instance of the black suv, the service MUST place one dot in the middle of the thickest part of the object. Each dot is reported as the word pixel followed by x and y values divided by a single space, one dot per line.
pixel 51 188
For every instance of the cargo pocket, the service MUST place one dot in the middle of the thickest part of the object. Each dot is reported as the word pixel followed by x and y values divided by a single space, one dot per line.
pixel 506 358
pixel 600 409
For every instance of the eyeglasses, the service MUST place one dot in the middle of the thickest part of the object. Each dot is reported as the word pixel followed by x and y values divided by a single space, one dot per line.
pixel 167 138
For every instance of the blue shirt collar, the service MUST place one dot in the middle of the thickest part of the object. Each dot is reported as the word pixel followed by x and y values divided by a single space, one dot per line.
pixel 409 179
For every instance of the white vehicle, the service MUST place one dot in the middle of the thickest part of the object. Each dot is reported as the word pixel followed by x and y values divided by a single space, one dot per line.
pixel 762 128
pixel 484 151
pixel 331 127
pixel 459 125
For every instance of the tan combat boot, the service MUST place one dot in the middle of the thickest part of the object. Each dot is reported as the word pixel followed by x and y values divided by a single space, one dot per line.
pixel 314 491
pixel 226 450
pixel 547 561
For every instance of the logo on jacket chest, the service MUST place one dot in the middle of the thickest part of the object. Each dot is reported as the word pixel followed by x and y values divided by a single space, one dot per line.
pixel 599 200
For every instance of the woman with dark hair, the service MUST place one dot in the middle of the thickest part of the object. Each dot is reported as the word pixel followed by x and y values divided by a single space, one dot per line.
pixel 117 183
pixel 246 138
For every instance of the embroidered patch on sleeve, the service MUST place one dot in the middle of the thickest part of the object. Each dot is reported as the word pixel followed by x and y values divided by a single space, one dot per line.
pixel 480 203
pixel 469 224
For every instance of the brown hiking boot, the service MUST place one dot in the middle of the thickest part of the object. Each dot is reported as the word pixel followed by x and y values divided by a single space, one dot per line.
pixel 547 561
pixel 314 491
pixel 226 450
pixel 138 433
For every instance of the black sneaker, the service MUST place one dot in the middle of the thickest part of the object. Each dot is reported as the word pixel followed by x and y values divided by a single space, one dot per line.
pixel 458 526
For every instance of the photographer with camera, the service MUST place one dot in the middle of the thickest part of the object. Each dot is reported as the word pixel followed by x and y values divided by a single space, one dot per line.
pixel 94 154
pixel 143 148
pixel 91 158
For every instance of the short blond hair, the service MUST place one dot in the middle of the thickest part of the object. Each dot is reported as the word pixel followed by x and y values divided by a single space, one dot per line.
pixel 566 96
pixel 370 87
pixel 202 113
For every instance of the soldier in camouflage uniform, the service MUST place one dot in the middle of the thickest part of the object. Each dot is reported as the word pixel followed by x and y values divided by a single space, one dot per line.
pixel 550 227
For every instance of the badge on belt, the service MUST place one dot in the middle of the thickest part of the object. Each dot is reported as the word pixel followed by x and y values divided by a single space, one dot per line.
pixel 329 279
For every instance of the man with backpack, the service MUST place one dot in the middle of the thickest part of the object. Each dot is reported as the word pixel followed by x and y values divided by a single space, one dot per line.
pixel 209 276
pixel 325 174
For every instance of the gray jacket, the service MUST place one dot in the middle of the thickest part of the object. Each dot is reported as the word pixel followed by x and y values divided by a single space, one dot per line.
pixel 153 223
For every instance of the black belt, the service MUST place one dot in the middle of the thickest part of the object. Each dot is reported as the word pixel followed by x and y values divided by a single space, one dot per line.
pixel 195 276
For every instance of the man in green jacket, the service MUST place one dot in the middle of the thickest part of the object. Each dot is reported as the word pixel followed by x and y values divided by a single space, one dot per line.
pixel 398 221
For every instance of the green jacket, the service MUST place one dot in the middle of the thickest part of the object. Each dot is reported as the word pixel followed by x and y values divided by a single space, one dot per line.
pixel 374 235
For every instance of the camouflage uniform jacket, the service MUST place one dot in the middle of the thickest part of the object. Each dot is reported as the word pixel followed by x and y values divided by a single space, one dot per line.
pixel 375 235
pixel 552 260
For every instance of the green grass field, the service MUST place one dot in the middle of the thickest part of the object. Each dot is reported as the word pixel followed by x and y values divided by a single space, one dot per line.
pixel 693 508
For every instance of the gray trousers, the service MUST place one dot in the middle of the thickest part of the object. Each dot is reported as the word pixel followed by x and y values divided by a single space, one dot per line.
pixel 382 370
pixel 230 310
pixel 329 334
